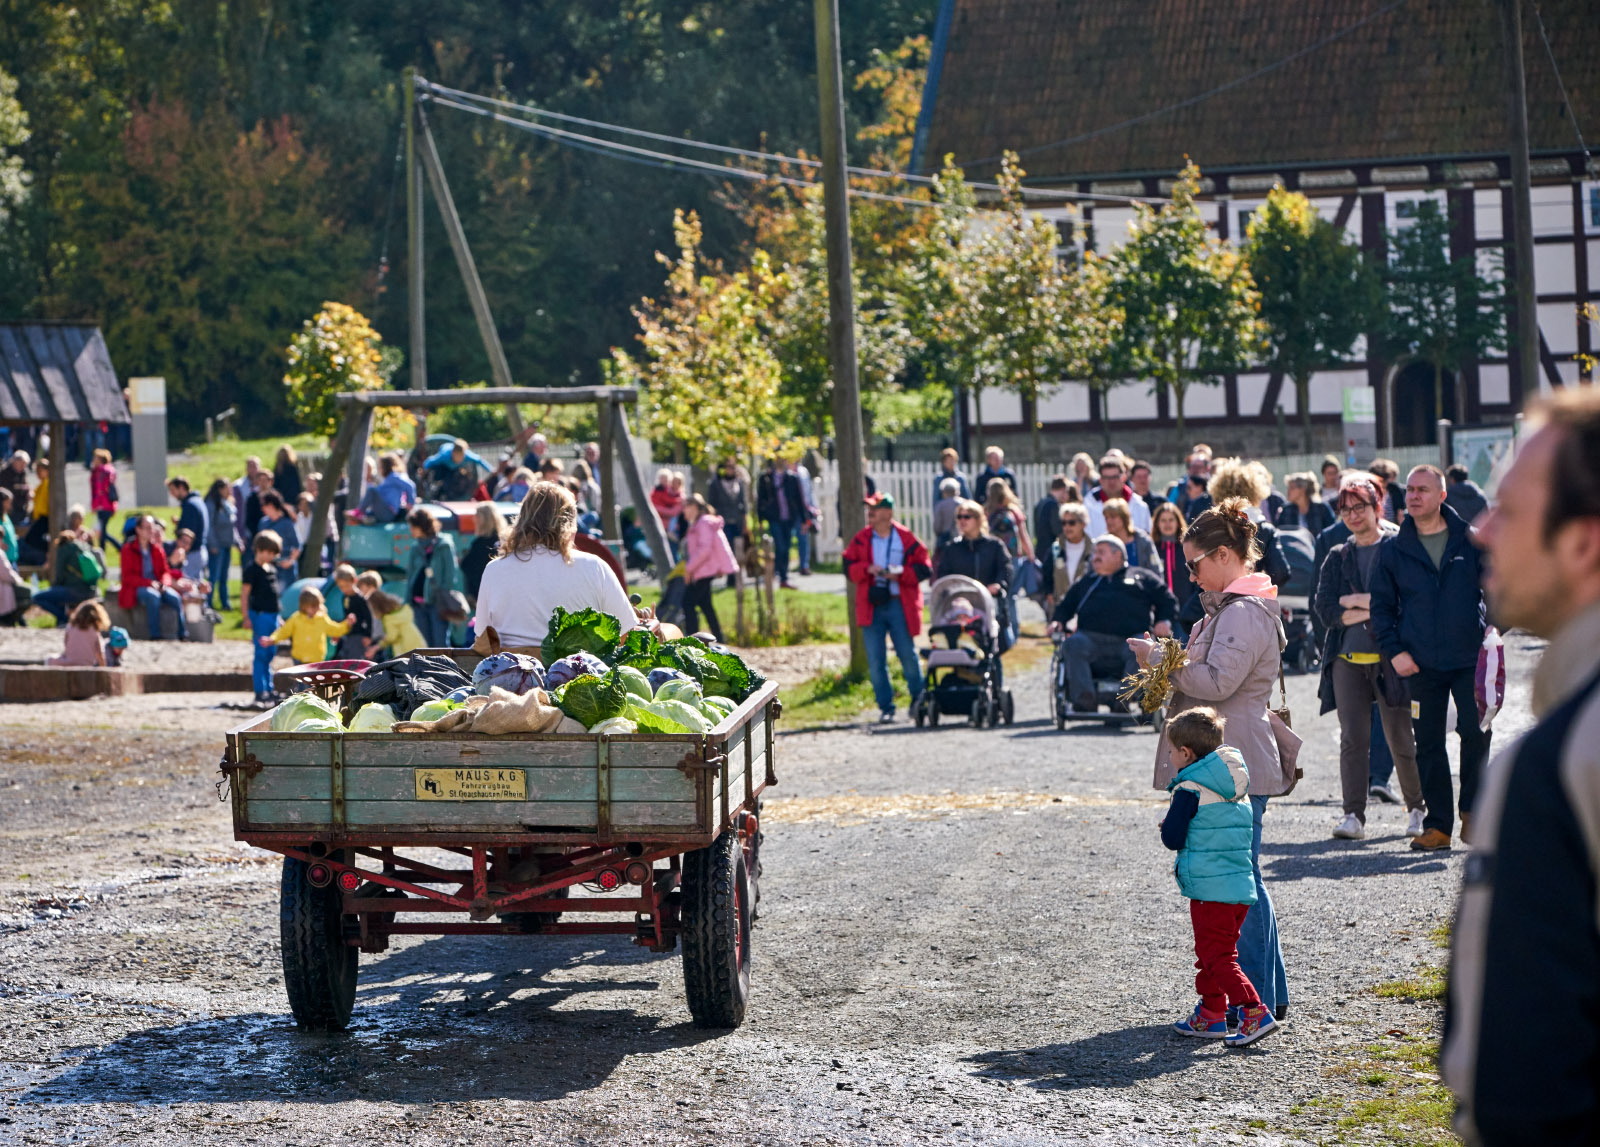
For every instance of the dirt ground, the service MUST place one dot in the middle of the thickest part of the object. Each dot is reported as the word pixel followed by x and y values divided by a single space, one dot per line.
pixel 966 937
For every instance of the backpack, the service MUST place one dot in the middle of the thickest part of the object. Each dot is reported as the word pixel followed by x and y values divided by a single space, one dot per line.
pixel 91 567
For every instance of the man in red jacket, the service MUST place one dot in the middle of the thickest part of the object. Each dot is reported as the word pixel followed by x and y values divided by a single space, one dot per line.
pixel 887 564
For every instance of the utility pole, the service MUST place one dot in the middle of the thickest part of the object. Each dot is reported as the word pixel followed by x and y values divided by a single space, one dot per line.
pixel 847 433
pixel 1527 333
pixel 419 339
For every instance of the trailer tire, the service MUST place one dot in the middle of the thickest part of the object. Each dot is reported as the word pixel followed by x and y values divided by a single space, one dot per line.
pixel 716 933
pixel 319 968
pixel 533 921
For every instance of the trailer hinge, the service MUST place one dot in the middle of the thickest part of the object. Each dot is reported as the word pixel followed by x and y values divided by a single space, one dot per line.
pixel 693 762
pixel 244 770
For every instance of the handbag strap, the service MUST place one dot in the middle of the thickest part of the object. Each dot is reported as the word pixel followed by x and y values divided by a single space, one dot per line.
pixel 1283 694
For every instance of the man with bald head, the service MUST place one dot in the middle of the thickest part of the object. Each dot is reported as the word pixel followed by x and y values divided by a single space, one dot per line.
pixel 1428 617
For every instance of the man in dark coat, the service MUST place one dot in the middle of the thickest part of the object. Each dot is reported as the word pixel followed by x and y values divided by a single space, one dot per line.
pixel 1528 916
pixel 1428 617
pixel 1112 605
pixel 781 503
pixel 1463 495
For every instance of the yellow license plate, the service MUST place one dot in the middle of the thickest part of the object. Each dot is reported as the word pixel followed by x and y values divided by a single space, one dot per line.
pixel 472 784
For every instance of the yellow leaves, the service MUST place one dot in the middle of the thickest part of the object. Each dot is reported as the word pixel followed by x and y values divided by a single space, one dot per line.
pixel 335 351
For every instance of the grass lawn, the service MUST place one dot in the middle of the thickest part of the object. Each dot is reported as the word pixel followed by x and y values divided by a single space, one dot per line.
pixel 224 458
pixel 804 617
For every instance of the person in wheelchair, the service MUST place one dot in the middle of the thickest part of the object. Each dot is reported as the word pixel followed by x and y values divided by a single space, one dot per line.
pixel 1111 605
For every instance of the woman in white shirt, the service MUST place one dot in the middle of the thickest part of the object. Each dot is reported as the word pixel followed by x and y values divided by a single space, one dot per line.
pixel 540 570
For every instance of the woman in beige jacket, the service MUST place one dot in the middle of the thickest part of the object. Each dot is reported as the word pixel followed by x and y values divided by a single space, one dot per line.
pixel 1233 666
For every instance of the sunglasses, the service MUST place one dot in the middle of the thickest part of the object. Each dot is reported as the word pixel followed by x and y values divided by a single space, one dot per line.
pixel 1194 566
pixel 966 517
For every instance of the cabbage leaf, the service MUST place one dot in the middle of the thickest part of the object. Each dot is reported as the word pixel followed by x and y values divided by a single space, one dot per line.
pixel 302 707
pixel 592 699
pixel 586 631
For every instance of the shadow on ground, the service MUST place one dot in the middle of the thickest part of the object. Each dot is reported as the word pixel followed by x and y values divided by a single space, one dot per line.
pixel 1336 859
pixel 499 1024
pixel 1106 1059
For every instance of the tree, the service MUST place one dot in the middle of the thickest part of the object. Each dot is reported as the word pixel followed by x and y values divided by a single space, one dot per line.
pixel 1029 314
pixel 1441 310
pixel 797 328
pixel 13 133
pixel 1180 305
pixel 338 351
pixel 1318 295
pixel 709 379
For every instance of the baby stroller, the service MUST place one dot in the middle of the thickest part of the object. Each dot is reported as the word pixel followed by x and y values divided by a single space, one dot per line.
pixel 963 679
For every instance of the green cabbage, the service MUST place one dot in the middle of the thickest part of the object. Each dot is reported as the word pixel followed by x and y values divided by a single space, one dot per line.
pixel 634 681
pixel 648 721
pixel 616 726
pixel 678 690
pixel 592 699
pixel 319 725
pixel 372 718
pixel 723 705
pixel 639 649
pixel 720 674
pixel 586 631
pixel 688 716
pixel 433 710
pixel 302 707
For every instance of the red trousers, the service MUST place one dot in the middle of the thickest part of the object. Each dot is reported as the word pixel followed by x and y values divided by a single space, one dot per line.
pixel 1216 947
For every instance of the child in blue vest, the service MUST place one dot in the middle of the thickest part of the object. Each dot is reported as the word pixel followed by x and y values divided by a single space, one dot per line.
pixel 1208 825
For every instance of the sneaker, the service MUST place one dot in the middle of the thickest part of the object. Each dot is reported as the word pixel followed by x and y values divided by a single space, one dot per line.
pixel 1255 1022
pixel 1414 827
pixel 1198 1027
pixel 1431 841
pixel 1350 828
pixel 886 718
pixel 1384 793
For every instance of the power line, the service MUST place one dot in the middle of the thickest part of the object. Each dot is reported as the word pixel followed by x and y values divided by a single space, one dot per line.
pixel 437 90
pixel 1561 87
pixel 661 159
pixel 1203 96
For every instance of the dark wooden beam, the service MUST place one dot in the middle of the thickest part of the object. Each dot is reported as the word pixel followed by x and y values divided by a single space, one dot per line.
pixel 490 396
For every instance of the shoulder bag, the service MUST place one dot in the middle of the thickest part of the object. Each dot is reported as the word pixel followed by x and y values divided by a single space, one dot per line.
pixel 1288 740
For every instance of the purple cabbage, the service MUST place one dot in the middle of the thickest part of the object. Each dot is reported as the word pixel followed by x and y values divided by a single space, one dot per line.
pixel 515 672
pixel 573 666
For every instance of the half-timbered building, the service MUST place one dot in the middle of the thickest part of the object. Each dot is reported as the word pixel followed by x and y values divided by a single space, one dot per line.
pixel 1366 106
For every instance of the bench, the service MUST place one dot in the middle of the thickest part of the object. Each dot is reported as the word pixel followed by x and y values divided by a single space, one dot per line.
pixel 133 620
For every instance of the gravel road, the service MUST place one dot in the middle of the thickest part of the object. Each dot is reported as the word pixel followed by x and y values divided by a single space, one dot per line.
pixel 966 937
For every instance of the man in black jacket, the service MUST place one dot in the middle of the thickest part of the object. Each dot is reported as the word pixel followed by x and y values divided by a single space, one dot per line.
pixel 1112 605
pixel 1462 494
pixel 782 505
pixel 1428 618
pixel 1528 926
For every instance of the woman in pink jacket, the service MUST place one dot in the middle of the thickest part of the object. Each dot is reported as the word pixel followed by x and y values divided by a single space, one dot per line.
pixel 708 557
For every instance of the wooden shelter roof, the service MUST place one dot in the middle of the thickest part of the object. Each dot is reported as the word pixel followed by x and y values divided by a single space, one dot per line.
pixel 1422 79
pixel 57 372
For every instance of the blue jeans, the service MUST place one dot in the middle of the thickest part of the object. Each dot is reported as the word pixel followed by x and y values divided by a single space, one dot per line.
pixel 434 629
pixel 217 575
pixel 889 622
pixel 153 599
pixel 262 624
pixel 58 601
pixel 782 532
pixel 1380 766
pixel 1260 957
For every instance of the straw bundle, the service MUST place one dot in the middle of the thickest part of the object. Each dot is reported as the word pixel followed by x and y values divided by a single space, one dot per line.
pixel 1153 684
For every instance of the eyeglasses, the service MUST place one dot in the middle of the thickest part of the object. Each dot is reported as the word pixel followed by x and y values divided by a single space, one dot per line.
pixel 1351 507
pixel 1195 564
pixel 966 517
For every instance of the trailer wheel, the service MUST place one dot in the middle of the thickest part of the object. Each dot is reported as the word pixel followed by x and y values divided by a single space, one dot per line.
pixel 716 933
pixel 1008 708
pixel 319 968
pixel 533 921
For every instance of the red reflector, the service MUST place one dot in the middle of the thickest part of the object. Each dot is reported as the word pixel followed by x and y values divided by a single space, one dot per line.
pixel 319 875
pixel 349 881
pixel 608 879
pixel 638 872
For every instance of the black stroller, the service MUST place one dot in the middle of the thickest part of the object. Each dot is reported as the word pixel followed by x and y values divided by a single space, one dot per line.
pixel 963 678
pixel 1300 654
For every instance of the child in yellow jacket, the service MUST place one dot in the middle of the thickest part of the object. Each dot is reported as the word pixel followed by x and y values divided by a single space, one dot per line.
pixel 400 630
pixel 308 629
